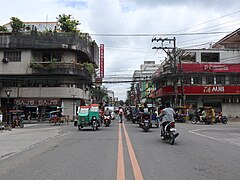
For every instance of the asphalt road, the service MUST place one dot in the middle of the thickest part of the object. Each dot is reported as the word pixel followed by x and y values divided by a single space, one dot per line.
pixel 200 152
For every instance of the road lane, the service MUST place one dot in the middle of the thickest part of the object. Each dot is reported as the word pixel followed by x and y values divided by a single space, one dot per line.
pixel 136 169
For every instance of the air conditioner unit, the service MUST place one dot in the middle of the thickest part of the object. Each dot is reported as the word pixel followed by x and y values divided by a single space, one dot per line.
pixel 5 60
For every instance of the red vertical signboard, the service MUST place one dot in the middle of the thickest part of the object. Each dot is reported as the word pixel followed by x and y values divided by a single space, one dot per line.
pixel 102 60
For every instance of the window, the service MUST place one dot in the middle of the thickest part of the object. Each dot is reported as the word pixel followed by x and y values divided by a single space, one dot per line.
pixel 51 56
pixel 187 80
pixel 12 56
pixel 234 79
pixel 188 57
pixel 210 57
pixel 209 79
pixel 220 79
pixel 197 80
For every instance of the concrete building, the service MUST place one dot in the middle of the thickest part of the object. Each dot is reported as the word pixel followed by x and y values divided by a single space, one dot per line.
pixel 205 77
pixel 142 81
pixel 42 71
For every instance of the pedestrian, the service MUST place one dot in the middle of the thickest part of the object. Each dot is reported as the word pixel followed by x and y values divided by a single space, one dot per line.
pixel 120 113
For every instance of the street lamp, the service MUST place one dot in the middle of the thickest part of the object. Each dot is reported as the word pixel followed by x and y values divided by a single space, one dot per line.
pixel 8 92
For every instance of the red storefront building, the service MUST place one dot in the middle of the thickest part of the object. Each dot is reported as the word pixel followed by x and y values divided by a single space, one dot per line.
pixel 203 77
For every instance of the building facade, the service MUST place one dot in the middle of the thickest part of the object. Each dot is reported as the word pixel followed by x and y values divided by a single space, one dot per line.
pixel 41 71
pixel 205 77
pixel 142 81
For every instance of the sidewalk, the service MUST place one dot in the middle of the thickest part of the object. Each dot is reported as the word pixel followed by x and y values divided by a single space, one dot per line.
pixel 20 139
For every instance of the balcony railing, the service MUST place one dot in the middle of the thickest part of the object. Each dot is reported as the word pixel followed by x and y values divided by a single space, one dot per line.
pixel 60 68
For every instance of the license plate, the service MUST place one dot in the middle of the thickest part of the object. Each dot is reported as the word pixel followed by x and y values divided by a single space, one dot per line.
pixel 146 121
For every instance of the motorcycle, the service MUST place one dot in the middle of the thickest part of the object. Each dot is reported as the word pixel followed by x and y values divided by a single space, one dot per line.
pixel 146 123
pixel 221 119
pixel 107 120
pixel 169 132
pixel 17 123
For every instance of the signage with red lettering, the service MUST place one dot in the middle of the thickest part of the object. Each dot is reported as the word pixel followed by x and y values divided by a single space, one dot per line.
pixel 199 90
pixel 101 60
pixel 204 67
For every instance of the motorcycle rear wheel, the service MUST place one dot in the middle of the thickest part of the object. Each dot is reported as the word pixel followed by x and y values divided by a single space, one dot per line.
pixel 172 139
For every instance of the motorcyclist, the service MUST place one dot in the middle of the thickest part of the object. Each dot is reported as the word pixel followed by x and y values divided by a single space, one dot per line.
pixel 166 116
pixel 107 112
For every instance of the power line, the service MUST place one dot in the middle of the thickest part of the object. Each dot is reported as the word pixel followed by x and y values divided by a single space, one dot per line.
pixel 159 34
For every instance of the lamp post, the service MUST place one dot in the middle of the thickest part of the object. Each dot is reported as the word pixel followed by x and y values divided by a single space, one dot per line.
pixel 8 92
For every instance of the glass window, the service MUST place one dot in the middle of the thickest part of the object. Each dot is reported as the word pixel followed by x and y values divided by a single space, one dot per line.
pixel 220 79
pixel 209 79
pixel 188 57
pixel 210 57
pixel 234 79
pixel 187 80
pixel 12 56
pixel 51 56
pixel 197 80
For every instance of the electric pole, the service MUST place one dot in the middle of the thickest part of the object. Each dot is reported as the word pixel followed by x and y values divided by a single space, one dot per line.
pixel 173 58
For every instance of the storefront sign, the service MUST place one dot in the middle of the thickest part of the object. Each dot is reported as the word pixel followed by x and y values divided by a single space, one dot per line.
pixel 37 102
pixel 199 90
pixel 201 67
pixel 212 89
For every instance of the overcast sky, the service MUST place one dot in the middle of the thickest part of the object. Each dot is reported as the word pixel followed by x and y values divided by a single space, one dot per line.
pixel 149 18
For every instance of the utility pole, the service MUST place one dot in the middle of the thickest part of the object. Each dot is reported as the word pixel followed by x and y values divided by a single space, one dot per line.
pixel 173 58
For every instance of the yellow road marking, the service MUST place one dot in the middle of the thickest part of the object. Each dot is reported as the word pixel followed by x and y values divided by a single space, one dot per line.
pixel 120 165
pixel 136 169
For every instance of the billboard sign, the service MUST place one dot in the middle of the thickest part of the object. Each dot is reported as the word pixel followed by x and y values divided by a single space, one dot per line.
pixel 101 60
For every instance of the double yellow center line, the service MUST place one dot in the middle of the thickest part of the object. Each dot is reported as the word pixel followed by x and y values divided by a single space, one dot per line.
pixel 120 166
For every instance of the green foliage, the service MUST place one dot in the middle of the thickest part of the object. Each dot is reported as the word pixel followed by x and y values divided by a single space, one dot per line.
pixel 67 24
pixel 3 28
pixel 35 65
pixel 90 67
pixel 99 93
pixel 17 25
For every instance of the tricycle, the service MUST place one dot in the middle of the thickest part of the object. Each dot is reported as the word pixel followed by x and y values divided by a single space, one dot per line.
pixel 56 117
pixel 204 114
pixel 181 114
pixel 84 118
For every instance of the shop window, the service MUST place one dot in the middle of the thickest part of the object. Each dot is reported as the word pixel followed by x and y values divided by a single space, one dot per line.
pixel 187 80
pixel 12 56
pixel 234 79
pixel 210 57
pixel 209 79
pixel 197 80
pixel 220 79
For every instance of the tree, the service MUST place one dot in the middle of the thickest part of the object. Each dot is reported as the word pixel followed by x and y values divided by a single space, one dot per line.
pixel 99 93
pixel 3 28
pixel 17 25
pixel 67 24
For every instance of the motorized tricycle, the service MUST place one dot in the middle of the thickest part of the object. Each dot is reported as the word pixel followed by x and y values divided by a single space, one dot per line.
pixel 199 116
pixel 94 112
pixel 84 119
pixel 182 114
pixel 56 118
